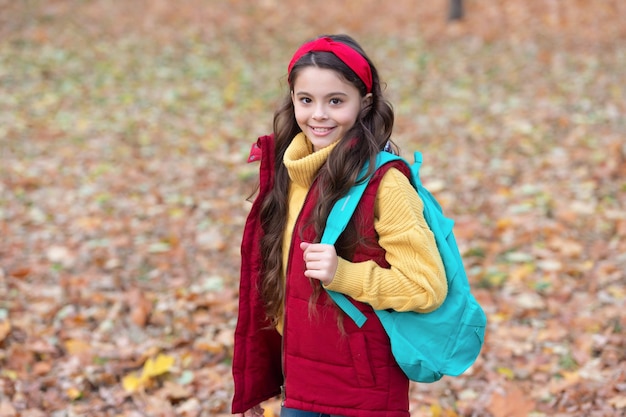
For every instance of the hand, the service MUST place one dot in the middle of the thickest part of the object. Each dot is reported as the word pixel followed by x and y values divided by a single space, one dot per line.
pixel 256 411
pixel 320 261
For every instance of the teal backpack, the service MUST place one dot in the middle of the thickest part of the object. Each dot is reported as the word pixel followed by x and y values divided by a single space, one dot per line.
pixel 426 346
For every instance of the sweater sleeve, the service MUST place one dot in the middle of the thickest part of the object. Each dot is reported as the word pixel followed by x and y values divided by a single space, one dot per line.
pixel 416 280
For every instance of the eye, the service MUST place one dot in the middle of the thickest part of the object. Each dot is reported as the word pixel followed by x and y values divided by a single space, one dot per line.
pixel 336 101
pixel 305 100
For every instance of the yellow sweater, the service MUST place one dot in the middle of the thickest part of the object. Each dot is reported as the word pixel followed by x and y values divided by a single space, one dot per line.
pixel 416 280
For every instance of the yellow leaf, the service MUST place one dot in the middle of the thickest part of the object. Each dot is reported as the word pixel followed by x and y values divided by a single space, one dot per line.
pixel 76 346
pixel 436 410
pixel 508 373
pixel 617 291
pixel 132 383
pixel 521 273
pixel 12 375
pixel 499 317
pixel 571 377
pixel 230 92
pixel 504 223
pixel 158 366
pixel 73 393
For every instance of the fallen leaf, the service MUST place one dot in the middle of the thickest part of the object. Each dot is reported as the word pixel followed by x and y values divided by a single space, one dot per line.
pixel 175 391
pixel 132 382
pixel 511 403
pixel 158 366
pixel 140 307
pixel 73 393
pixel 77 346
pixel 42 368
pixel 5 329
pixel 21 272
pixel 619 401
pixel 6 409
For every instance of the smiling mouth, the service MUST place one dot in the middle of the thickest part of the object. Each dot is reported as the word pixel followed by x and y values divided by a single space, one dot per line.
pixel 321 129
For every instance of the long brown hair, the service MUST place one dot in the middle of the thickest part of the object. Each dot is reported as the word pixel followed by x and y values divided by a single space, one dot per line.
pixel 369 135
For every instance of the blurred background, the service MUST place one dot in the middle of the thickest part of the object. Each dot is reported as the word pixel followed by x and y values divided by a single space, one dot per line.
pixel 124 133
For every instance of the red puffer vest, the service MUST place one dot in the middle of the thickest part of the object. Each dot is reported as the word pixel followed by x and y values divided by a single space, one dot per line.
pixel 323 370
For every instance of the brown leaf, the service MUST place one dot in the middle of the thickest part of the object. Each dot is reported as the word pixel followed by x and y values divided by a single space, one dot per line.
pixel 42 368
pixel 6 409
pixel 512 403
pixel 140 307
pixel 33 412
pixel 174 391
pixel 5 329
pixel 77 347
pixel 20 272
pixel 619 402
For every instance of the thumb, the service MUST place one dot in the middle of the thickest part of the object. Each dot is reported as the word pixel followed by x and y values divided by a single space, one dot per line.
pixel 304 245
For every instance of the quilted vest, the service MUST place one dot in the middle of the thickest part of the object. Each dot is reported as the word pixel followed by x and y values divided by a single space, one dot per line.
pixel 324 369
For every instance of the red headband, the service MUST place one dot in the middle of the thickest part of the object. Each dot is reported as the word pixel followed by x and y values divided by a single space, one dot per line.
pixel 349 56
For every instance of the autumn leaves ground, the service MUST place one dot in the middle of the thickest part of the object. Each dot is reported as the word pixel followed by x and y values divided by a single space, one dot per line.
pixel 123 137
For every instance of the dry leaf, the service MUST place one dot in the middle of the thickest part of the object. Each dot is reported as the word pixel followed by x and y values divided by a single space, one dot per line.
pixel 619 401
pixel 73 393
pixel 77 346
pixel 158 366
pixel 21 272
pixel 140 307
pixel 151 368
pixel 6 409
pixel 512 403
pixel 5 329
pixel 175 391
pixel 132 382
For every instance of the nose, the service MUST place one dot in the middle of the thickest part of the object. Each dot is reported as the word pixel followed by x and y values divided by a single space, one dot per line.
pixel 319 113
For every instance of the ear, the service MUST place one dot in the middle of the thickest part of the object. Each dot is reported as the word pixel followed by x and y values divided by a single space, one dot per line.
pixel 293 98
pixel 366 100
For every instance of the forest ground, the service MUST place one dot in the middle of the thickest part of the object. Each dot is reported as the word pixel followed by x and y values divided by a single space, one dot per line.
pixel 124 131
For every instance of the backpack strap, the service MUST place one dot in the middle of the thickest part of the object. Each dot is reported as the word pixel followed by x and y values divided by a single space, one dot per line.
pixel 338 219
pixel 336 223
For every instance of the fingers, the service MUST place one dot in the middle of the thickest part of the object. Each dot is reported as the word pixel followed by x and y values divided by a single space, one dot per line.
pixel 320 261
pixel 316 253
pixel 317 249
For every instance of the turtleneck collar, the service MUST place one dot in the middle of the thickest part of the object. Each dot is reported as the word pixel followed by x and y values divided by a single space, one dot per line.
pixel 302 162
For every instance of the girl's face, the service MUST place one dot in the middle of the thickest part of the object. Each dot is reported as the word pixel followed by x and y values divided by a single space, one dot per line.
pixel 325 105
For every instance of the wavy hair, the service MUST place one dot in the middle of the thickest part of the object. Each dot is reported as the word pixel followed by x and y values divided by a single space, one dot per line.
pixel 369 135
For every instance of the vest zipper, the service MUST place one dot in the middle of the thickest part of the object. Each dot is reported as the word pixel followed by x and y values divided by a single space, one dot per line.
pixel 287 271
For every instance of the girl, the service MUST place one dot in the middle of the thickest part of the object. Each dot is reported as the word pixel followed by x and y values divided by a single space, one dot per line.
pixel 290 336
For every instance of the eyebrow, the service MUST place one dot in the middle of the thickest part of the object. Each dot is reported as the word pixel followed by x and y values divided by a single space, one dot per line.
pixel 337 93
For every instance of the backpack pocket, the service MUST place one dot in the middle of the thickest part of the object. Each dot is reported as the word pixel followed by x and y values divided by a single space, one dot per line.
pixel 471 337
